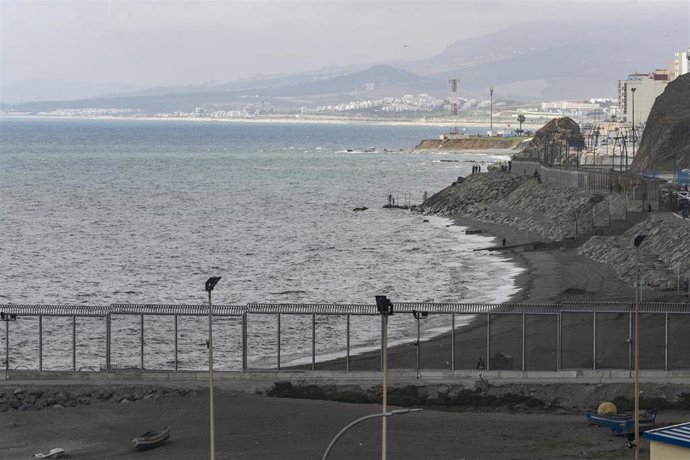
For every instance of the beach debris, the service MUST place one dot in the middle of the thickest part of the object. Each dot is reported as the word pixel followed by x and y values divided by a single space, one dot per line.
pixel 53 453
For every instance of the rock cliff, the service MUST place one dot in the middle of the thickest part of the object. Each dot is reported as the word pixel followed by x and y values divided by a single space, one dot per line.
pixel 667 134
pixel 549 142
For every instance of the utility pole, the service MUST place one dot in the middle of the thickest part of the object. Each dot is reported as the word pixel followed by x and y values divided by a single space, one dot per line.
pixel 491 114
pixel 633 124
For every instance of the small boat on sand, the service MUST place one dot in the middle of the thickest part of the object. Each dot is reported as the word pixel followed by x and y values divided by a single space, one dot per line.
pixel 151 439
pixel 54 453
pixel 621 423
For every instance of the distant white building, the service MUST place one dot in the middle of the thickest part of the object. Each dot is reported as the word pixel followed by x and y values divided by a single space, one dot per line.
pixel 570 106
pixel 647 87
pixel 679 64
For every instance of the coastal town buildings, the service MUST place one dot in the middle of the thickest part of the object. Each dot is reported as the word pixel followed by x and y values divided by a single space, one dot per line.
pixel 646 87
pixel 679 64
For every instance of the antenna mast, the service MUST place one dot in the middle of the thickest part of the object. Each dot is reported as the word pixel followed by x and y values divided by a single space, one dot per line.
pixel 453 102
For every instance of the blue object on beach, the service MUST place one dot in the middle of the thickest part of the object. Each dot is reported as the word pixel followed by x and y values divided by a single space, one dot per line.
pixel 622 423
pixel 678 435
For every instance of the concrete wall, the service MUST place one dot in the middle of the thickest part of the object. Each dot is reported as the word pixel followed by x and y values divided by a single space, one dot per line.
pixel 663 451
pixel 640 190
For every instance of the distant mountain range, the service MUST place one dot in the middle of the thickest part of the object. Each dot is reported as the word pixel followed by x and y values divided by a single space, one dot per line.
pixel 540 61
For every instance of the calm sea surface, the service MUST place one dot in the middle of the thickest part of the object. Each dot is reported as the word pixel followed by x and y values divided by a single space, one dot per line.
pixel 121 211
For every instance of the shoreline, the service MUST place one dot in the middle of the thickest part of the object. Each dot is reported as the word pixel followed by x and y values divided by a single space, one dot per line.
pixel 441 123
pixel 548 276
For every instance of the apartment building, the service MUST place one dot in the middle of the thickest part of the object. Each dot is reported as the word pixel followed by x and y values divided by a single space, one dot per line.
pixel 647 87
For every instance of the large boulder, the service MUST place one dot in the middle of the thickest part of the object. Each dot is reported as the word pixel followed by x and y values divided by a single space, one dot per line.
pixel 667 134
pixel 549 142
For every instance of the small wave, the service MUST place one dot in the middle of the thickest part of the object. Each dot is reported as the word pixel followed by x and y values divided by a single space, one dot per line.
pixel 288 292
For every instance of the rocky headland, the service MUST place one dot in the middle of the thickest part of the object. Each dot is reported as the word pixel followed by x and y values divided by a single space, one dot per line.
pixel 575 216
pixel 551 139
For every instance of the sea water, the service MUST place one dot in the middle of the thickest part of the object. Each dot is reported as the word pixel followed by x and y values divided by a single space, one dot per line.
pixel 96 212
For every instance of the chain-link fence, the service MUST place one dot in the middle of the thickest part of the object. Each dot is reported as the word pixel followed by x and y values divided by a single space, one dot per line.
pixel 422 336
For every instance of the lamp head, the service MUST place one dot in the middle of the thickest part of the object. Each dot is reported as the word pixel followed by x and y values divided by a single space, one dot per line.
pixel 384 305
pixel 211 283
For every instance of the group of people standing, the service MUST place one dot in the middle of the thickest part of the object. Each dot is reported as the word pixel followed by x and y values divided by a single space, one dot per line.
pixel 476 169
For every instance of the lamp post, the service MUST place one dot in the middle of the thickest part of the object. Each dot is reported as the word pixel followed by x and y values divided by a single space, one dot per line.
pixel 638 240
pixel 633 123
pixel 419 315
pixel 491 113
pixel 385 308
pixel 210 284
pixel 7 317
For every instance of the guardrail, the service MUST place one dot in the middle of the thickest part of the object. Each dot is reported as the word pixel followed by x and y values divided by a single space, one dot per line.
pixel 575 335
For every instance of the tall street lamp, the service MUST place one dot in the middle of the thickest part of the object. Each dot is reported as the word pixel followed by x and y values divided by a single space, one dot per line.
pixel 7 317
pixel 633 122
pixel 638 240
pixel 210 284
pixel 491 114
pixel 385 308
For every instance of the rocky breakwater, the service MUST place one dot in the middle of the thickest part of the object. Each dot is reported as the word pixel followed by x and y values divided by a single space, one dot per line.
pixel 525 204
pixel 557 213
pixel 663 254
pixel 34 398
pixel 469 143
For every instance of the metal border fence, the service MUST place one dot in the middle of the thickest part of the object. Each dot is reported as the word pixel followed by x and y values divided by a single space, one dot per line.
pixel 490 314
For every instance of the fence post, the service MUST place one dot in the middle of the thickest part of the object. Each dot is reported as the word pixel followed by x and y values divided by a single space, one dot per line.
pixel 559 347
pixel 666 342
pixel 142 340
pixel 523 342
pixel 313 341
pixel 488 342
pixel 278 338
pixel 452 341
pixel 347 356
pixel 74 343
pixel 594 340
pixel 107 341
pixel 176 362
pixel 418 345
pixel 40 343
pixel 244 341
pixel 7 350
pixel 630 339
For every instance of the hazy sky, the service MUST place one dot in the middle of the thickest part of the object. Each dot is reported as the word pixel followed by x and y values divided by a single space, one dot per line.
pixel 187 42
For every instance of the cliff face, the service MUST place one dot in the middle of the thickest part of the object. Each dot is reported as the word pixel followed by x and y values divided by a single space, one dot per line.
pixel 470 143
pixel 550 138
pixel 667 134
